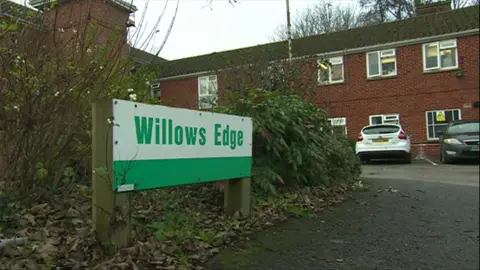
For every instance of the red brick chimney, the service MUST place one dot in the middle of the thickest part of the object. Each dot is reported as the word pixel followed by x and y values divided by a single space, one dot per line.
pixel 428 7
pixel 72 16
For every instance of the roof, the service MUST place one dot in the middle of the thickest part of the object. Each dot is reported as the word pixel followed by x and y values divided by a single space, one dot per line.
pixel 418 27
pixel 144 57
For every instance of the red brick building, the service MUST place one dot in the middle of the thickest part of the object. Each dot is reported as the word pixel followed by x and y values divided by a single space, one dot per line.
pixel 414 71
pixel 72 17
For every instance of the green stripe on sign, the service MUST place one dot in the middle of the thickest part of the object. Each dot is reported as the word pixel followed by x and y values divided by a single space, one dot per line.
pixel 150 174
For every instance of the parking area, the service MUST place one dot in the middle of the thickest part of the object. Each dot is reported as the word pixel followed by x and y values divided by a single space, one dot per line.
pixel 466 174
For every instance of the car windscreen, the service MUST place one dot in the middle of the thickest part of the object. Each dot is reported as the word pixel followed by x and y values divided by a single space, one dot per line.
pixel 384 129
pixel 462 128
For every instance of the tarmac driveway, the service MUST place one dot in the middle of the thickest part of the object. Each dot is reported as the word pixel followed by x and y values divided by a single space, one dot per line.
pixel 422 170
pixel 428 219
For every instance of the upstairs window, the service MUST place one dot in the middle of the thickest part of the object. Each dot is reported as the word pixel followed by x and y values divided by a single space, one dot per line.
pixel 331 72
pixel 207 92
pixel 380 119
pixel 440 55
pixel 155 90
pixel 381 63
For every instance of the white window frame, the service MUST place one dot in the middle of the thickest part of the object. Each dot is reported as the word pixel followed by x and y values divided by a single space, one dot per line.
pixel 440 45
pixel 446 123
pixel 333 61
pixel 380 55
pixel 155 90
pixel 396 116
pixel 212 93
pixel 339 122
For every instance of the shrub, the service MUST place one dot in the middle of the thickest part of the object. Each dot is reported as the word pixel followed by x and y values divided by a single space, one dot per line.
pixel 293 143
pixel 46 94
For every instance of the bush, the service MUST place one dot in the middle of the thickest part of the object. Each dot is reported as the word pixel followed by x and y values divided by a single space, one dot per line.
pixel 293 143
pixel 46 94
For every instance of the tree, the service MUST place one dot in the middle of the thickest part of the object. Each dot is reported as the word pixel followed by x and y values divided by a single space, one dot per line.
pixel 49 76
pixel 323 17
pixel 380 11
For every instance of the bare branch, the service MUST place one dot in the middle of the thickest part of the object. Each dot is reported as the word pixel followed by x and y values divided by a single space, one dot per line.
pixel 324 17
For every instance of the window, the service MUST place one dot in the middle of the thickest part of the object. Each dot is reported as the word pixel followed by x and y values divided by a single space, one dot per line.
pixel 331 72
pixel 384 119
pixel 383 129
pixel 207 91
pixel 339 125
pixel 155 90
pixel 438 121
pixel 381 63
pixel 440 55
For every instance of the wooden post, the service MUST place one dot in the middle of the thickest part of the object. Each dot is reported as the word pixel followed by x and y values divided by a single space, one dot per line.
pixel 237 196
pixel 111 214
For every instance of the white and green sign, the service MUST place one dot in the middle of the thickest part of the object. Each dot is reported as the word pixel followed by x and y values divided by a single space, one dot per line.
pixel 158 146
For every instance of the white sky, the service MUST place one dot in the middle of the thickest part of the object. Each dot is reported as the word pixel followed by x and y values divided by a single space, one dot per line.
pixel 202 29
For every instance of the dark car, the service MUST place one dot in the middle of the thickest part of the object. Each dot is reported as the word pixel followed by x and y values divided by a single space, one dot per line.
pixel 460 140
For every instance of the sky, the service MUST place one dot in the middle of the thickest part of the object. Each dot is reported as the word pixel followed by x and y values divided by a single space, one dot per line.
pixel 203 28
pixel 200 28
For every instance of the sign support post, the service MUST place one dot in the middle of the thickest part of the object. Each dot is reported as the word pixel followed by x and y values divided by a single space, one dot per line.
pixel 139 147
pixel 237 196
pixel 111 214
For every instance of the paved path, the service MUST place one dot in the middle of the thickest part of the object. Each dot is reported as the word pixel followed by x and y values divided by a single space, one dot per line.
pixel 426 224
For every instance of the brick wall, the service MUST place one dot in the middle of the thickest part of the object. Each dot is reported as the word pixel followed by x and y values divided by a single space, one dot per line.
pixel 181 93
pixel 411 93
pixel 77 14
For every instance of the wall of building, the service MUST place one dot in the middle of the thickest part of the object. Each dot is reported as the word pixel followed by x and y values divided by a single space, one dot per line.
pixel 182 93
pixel 410 93
pixel 74 16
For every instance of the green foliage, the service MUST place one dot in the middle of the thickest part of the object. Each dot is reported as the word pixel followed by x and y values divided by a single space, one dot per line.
pixel 175 225
pixel 47 89
pixel 42 173
pixel 293 143
pixel 210 236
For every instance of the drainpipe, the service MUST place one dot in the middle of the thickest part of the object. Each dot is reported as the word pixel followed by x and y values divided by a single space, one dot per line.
pixel 289 32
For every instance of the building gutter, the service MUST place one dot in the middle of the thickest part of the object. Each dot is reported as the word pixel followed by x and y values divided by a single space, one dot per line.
pixel 347 51
pixel 185 76
pixel 398 43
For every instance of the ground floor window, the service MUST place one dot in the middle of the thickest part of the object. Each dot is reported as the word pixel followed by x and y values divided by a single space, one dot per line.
pixel 155 90
pixel 207 92
pixel 379 119
pixel 438 120
pixel 339 125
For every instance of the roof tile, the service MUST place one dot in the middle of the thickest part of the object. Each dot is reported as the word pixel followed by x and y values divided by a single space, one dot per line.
pixel 422 26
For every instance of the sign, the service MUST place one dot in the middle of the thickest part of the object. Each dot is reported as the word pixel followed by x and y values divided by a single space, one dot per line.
pixel 440 116
pixel 158 146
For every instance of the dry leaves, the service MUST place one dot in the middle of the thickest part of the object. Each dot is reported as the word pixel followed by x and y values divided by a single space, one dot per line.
pixel 183 232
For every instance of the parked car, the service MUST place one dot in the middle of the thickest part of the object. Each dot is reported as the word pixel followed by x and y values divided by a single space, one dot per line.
pixel 383 141
pixel 460 140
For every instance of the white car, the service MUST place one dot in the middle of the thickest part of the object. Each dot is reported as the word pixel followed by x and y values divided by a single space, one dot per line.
pixel 383 141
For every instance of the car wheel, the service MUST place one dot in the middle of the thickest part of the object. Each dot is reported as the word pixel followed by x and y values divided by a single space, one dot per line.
pixel 363 160
pixel 408 159
pixel 444 159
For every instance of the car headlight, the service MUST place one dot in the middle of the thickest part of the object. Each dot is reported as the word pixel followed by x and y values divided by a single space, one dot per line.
pixel 452 141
